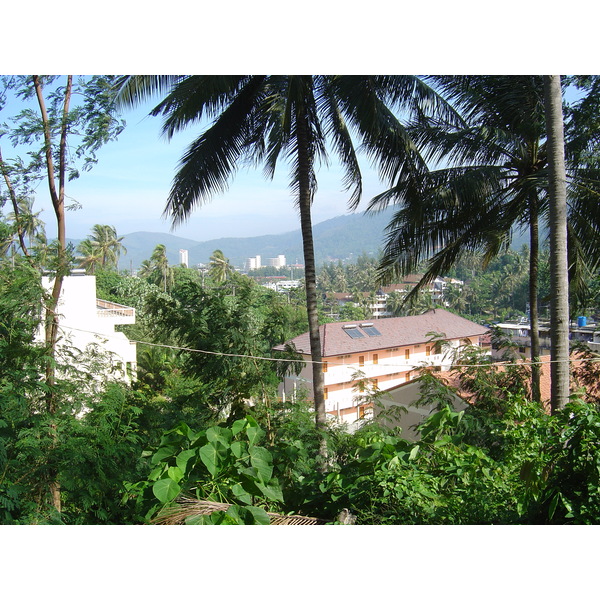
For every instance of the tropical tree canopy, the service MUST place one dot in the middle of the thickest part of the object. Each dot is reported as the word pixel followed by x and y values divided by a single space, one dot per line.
pixel 260 119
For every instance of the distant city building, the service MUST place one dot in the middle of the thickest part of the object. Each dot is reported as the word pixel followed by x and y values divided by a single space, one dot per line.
pixel 252 263
pixel 276 262
pixel 183 258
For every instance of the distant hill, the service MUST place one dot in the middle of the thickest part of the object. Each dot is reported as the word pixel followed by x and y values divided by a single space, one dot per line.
pixel 341 238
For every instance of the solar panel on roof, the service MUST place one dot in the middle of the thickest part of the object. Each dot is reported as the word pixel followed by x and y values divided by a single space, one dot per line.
pixel 370 330
pixel 353 333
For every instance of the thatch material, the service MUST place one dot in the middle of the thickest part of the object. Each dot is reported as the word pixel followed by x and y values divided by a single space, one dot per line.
pixel 190 507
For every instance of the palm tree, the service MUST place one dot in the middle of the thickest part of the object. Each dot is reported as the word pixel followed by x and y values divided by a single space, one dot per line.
pixel 157 270
pixel 264 118
pixel 497 180
pixel 107 244
pixel 219 268
pixel 90 257
pixel 559 304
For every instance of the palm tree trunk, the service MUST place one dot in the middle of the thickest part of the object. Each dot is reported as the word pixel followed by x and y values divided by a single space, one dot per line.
pixel 304 204
pixel 533 297
pixel 559 282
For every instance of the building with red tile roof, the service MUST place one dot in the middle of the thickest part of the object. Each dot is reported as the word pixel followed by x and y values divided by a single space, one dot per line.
pixel 385 352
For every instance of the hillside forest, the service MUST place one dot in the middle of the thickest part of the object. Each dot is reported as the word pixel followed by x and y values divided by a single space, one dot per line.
pixel 201 423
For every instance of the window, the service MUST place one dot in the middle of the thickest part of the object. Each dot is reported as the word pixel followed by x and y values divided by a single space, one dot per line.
pixel 407 354
pixel 375 359
pixel 375 383
pixel 407 376
pixel 326 393
pixel 427 350
pixel 361 361
pixel 325 367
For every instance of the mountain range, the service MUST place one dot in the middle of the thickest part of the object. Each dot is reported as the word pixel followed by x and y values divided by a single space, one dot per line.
pixel 341 238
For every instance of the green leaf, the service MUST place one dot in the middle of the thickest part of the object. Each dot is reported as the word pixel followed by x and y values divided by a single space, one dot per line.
pixel 258 516
pixel 241 494
pixel 271 491
pixel 553 504
pixel 175 473
pixel 166 490
pixel 184 457
pixel 162 453
pixel 218 435
pixel 238 426
pixel 413 453
pixel 254 434
pixel 237 448
pixel 262 461
pixel 210 458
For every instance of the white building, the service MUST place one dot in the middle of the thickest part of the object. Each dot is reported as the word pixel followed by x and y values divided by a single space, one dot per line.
pixel 87 323
pixel 276 262
pixel 183 258
pixel 252 263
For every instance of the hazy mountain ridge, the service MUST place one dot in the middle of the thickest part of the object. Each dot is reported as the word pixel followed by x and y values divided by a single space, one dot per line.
pixel 339 238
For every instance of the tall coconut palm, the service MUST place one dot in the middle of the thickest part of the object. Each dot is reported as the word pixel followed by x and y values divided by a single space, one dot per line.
pixel 219 268
pixel 558 244
pixel 90 258
pixel 497 180
pixel 297 117
pixel 107 244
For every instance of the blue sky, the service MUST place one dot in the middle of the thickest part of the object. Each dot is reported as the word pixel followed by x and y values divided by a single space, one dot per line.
pixel 129 185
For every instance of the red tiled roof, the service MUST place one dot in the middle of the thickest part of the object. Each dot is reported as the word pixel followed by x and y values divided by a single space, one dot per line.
pixel 395 332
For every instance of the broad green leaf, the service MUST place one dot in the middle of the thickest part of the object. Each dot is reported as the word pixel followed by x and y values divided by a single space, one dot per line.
pixel 237 448
pixel 241 494
pixel 175 473
pixel 254 434
pixel 183 458
pixel 271 491
pixel 218 435
pixel 166 490
pixel 258 516
pixel 261 460
pixel 210 458
pixel 233 512
pixel 238 426
pixel 413 453
pixel 162 453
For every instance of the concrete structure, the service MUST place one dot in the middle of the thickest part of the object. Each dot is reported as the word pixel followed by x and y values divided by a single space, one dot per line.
pixel 386 353
pixel 183 258
pixel 252 263
pixel 87 323
pixel 276 262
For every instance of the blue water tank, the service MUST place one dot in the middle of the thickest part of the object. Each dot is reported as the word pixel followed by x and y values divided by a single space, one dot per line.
pixel 581 321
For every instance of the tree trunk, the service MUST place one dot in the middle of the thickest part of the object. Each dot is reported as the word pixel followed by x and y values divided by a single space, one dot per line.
pixel 559 282
pixel 304 204
pixel 58 203
pixel 534 329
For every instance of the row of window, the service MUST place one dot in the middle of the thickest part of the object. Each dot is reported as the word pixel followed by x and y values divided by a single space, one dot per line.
pixel 429 350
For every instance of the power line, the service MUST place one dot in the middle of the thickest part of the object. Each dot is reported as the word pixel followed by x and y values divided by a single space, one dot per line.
pixel 413 366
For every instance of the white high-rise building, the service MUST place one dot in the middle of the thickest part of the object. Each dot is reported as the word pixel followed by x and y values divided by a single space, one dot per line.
pixel 276 262
pixel 183 258
pixel 252 263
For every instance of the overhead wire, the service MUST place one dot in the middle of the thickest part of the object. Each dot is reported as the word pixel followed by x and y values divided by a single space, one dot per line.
pixel 292 360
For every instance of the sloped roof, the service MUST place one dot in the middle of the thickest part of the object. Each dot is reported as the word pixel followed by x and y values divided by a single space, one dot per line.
pixel 395 332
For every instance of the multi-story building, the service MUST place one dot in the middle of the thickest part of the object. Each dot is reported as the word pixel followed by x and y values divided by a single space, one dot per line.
pixel 386 353
pixel 86 322
pixel 252 263
pixel 279 261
